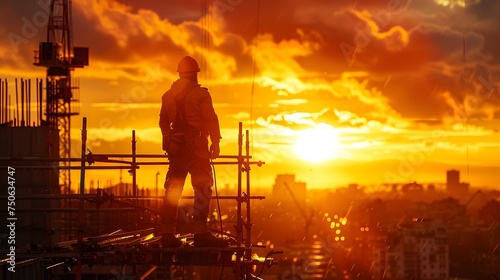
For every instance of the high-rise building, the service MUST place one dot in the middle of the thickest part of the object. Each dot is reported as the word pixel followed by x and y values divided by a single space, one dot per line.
pixel 452 180
pixel 286 189
pixel 453 185
pixel 419 250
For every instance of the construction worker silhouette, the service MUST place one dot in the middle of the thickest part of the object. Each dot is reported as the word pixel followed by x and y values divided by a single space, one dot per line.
pixel 187 119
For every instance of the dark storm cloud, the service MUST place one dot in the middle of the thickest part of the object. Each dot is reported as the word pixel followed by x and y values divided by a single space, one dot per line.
pixel 487 14
pixel 486 10
pixel 446 42
pixel 174 10
pixel 117 43
pixel 22 27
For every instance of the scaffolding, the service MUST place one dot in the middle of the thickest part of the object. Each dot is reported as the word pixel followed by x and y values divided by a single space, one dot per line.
pixel 139 247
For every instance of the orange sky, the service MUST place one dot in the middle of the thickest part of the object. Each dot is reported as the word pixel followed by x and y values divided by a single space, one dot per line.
pixel 343 91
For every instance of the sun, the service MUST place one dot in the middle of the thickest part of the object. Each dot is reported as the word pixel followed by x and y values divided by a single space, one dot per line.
pixel 318 144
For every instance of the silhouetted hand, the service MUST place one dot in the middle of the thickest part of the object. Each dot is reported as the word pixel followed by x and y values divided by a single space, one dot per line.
pixel 165 143
pixel 214 150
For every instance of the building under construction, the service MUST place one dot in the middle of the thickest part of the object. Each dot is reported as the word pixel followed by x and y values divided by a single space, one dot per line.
pixel 99 234
pixel 96 233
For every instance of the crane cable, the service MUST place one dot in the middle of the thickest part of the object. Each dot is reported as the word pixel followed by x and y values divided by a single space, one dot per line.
pixel 206 40
pixel 203 39
pixel 465 104
pixel 206 47
pixel 254 55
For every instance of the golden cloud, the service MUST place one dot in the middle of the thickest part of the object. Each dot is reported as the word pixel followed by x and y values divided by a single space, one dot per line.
pixel 395 38
pixel 125 25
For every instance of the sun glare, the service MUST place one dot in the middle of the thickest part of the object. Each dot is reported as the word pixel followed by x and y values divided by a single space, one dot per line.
pixel 317 144
pixel 453 3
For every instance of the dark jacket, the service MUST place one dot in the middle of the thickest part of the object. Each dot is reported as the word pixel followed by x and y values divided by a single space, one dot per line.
pixel 198 108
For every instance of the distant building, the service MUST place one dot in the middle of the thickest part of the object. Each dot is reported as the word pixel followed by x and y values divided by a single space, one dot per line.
pixel 452 180
pixel 413 191
pixel 354 191
pixel 453 185
pixel 419 250
pixel 449 211
pixel 286 189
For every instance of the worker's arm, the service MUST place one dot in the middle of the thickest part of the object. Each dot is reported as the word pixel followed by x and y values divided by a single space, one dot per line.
pixel 210 118
pixel 164 123
pixel 211 124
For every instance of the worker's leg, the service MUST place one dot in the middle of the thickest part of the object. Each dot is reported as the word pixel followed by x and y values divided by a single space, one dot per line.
pixel 201 178
pixel 202 181
pixel 174 183
pixel 173 192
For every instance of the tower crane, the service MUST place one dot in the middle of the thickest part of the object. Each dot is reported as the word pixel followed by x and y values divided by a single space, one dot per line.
pixel 307 218
pixel 59 57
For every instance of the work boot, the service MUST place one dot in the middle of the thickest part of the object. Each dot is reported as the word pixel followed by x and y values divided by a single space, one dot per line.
pixel 204 238
pixel 168 240
pixel 207 239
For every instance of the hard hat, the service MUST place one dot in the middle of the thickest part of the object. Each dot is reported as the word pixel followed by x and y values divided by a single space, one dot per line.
pixel 188 64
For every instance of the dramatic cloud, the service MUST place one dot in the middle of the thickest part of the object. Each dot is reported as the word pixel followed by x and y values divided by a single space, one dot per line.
pixel 376 77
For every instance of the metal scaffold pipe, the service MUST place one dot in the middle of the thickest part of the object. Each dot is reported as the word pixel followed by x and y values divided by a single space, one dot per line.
pixel 239 222
pixel 28 97
pixel 134 159
pixel 81 212
pixel 17 104
pixel 40 93
pixel 94 196
pixel 22 102
pixel 138 202
pixel 248 223
pixel 157 156
pixel 1 102
pixel 84 149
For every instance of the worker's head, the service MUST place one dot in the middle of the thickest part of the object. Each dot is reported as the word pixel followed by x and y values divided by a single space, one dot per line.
pixel 188 68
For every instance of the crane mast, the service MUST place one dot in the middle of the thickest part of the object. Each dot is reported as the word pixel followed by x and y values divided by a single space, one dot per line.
pixel 59 57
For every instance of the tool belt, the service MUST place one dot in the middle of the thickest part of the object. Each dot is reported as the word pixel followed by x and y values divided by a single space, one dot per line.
pixel 182 133
pixel 175 141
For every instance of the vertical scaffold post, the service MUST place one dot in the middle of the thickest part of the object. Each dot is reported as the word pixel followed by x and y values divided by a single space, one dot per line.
pixel 134 176
pixel 239 222
pixel 1 102
pixel 28 104
pixel 40 96
pixel 134 161
pixel 134 187
pixel 248 223
pixel 84 149
pixel 22 102
pixel 17 105
pixel 79 233
pixel 6 93
pixel 7 100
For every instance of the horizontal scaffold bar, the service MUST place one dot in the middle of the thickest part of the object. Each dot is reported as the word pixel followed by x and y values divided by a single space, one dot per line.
pixel 98 156
pixel 74 210
pixel 94 196
pixel 137 164
pixel 66 167
pixel 158 156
